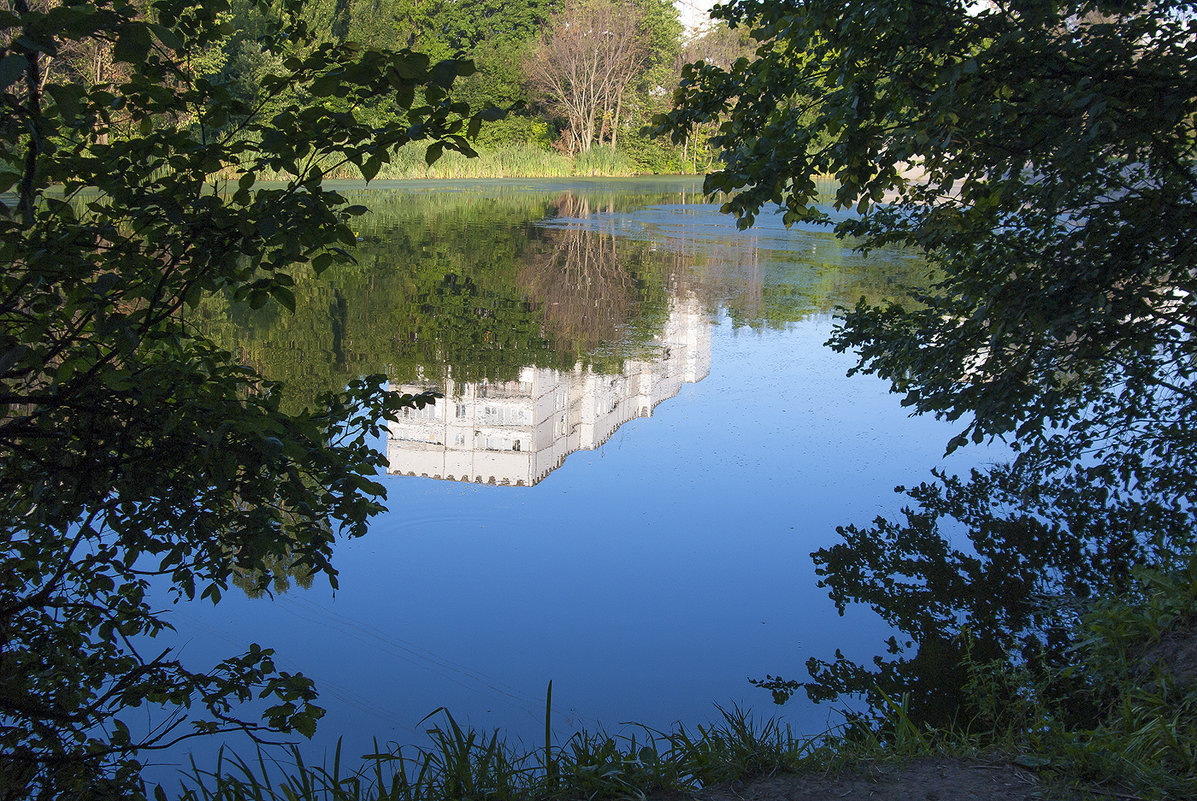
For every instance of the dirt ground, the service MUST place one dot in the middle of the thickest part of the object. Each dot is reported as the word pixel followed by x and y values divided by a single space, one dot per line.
pixel 923 780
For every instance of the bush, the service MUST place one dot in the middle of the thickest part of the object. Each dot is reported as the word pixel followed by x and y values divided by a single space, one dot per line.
pixel 649 155
pixel 516 131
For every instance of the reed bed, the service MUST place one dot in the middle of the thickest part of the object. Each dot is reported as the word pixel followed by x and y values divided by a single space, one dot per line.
pixel 500 161
pixel 461 764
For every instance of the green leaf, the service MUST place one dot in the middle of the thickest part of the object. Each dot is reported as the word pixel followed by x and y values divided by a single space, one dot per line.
pixel 133 43
pixel 67 97
pixel 405 96
pixel 37 42
pixel 167 36
pixel 433 153
pixel 444 73
pixel 284 296
pixel 12 68
pixel 305 724
pixel 8 180
pixel 193 294
pixel 493 113
pixel 326 85
pixel 410 66
pixel 371 167
pixel 321 262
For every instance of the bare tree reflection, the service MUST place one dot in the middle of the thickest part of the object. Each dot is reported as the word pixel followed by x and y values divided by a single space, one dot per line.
pixel 588 293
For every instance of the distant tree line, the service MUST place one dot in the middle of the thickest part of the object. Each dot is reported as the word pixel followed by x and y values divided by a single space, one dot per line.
pixel 576 74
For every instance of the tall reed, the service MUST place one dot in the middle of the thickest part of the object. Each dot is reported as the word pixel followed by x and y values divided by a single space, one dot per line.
pixel 463 764
pixel 500 161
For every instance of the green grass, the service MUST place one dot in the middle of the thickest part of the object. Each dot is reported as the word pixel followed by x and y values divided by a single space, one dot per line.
pixel 463 763
pixel 1127 727
pixel 499 161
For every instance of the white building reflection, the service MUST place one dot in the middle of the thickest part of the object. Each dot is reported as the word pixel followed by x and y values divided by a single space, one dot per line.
pixel 516 433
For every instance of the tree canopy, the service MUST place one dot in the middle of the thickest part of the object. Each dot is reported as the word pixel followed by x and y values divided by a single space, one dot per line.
pixel 1042 157
pixel 134 449
pixel 498 37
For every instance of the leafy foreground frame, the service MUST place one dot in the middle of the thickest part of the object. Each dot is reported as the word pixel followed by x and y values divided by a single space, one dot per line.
pixel 134 450
pixel 1016 145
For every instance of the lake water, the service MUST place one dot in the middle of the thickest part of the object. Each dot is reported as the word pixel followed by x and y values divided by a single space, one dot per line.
pixel 646 438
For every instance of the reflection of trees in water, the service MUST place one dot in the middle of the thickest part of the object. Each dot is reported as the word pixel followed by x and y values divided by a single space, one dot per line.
pixel 586 291
pixel 282 570
pixel 762 286
pixel 549 299
pixel 731 278
pixel 451 283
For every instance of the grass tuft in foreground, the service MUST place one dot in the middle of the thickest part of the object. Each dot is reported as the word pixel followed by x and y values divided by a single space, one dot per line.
pixel 462 763
pixel 1126 727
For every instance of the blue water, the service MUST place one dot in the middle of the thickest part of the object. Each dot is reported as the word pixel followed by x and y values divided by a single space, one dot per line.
pixel 647 579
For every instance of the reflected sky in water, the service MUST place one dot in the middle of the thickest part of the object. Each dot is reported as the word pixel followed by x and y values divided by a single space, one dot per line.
pixel 648 578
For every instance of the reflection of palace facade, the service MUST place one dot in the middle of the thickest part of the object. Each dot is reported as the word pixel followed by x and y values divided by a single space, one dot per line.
pixel 515 433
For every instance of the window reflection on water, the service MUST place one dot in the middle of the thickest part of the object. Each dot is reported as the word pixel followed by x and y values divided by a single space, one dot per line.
pixel 515 433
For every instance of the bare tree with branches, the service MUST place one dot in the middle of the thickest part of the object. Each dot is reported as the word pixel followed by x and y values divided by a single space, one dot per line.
pixel 591 52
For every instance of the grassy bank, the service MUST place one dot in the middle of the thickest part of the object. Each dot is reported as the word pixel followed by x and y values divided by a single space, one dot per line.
pixel 506 161
pixel 461 764
pixel 468 764
pixel 1127 728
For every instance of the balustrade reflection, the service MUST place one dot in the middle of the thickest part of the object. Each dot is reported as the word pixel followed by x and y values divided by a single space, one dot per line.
pixel 515 433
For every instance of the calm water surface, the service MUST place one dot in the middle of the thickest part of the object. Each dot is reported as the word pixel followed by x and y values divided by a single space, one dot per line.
pixel 659 380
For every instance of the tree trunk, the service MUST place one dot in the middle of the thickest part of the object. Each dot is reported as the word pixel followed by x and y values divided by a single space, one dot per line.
pixel 618 114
